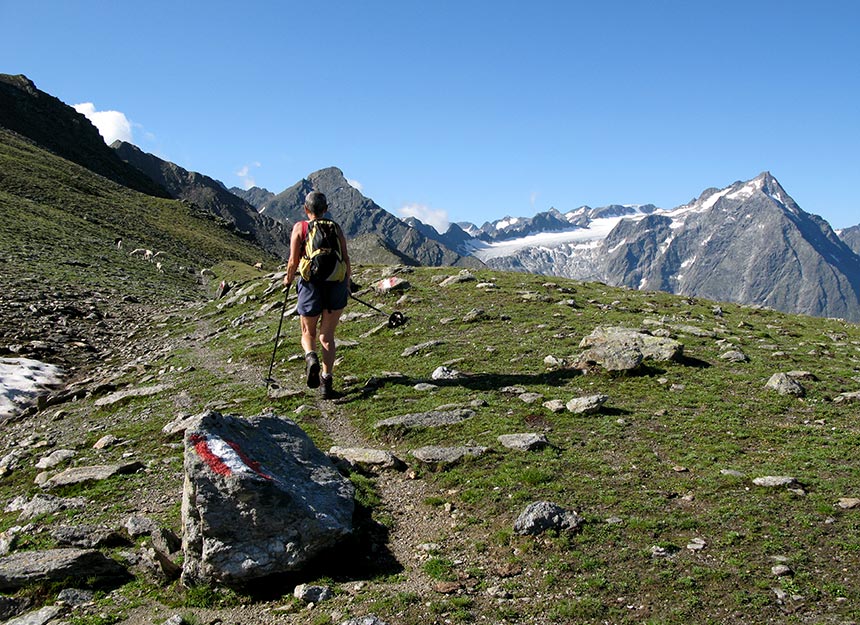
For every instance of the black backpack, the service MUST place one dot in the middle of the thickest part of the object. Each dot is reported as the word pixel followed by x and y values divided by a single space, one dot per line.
pixel 322 260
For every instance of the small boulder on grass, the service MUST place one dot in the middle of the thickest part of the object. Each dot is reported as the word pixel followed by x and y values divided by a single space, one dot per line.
pixel 587 405
pixel 542 516
pixel 784 384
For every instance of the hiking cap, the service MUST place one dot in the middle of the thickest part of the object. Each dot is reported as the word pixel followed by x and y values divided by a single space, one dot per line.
pixel 316 203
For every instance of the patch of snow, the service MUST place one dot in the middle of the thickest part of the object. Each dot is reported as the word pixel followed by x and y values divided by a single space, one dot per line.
pixel 22 380
pixel 688 262
pixel 508 221
pixel 615 247
pixel 665 244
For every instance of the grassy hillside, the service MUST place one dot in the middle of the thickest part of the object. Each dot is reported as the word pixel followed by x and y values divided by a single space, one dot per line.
pixel 669 459
pixel 60 223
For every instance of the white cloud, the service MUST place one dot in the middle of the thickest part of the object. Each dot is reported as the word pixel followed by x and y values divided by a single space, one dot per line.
pixel 435 217
pixel 244 174
pixel 355 184
pixel 112 125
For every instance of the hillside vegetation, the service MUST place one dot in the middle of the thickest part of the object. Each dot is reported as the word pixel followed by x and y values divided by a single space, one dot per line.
pixel 668 462
pixel 61 223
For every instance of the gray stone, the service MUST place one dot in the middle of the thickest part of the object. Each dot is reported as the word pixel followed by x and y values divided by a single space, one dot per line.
pixel 430 419
pixel 476 314
pixel 42 616
pixel 312 594
pixel 611 357
pixel 425 387
pixel 176 428
pixel 524 442
pixel 464 276
pixel 785 385
pixel 555 405
pixel 370 619
pixel 437 455
pixel 512 390
pixel 75 597
pixel 143 391
pixel 95 473
pixel 847 398
pixel 445 373
pixel 54 458
pixel 416 349
pixel 543 516
pixel 87 536
pixel 611 340
pixel 44 504
pixel 259 499
pixel 367 459
pixel 775 481
pixel 139 525
pixel 586 405
pixel 531 398
pixel 106 441
pixel 55 565
pixel 734 355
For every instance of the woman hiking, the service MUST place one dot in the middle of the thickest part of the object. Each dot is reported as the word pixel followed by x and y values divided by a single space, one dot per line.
pixel 318 255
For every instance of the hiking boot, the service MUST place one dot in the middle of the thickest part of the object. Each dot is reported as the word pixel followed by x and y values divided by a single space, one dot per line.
pixel 326 390
pixel 313 369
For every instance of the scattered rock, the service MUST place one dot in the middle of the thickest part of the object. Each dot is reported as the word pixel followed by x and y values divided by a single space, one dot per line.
pixel 421 347
pixel 42 616
pixel 785 385
pixel 42 504
pixel 106 441
pixel 75 597
pixel 586 405
pixel 95 473
pixel 392 284
pixel 847 398
pixel 438 456
pixel 474 315
pixel 734 356
pixel 555 405
pixel 54 458
pixel 464 276
pixel 542 516
pixel 56 565
pixel 312 594
pixel 430 419
pixel 139 525
pixel 88 536
pixel 370 619
pixel 367 459
pixel 143 391
pixel 848 503
pixel 444 373
pixel 524 442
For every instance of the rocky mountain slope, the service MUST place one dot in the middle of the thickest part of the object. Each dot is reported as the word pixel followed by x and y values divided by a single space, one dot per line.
pixel 851 238
pixel 59 128
pixel 749 243
pixel 359 215
pixel 210 195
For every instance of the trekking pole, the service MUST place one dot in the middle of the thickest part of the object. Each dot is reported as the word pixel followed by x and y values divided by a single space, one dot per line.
pixel 269 379
pixel 395 319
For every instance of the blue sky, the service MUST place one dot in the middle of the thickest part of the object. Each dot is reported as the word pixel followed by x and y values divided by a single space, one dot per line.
pixel 469 111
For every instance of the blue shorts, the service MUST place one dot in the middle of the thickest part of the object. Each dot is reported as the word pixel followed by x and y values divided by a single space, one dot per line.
pixel 314 298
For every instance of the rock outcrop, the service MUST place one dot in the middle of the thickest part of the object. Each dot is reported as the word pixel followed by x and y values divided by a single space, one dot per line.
pixel 259 499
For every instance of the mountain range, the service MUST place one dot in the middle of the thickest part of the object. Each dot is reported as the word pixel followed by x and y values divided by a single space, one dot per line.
pixel 747 243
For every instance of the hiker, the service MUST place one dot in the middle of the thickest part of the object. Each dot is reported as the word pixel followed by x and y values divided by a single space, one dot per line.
pixel 321 298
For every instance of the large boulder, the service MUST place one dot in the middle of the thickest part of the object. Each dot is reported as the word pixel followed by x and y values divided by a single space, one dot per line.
pixel 259 499
pixel 621 349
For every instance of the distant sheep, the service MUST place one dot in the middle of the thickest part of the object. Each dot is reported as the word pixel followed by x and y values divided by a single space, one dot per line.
pixel 258 266
pixel 147 254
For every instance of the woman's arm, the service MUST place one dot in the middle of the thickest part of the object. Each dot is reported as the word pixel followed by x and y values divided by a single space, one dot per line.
pixel 295 253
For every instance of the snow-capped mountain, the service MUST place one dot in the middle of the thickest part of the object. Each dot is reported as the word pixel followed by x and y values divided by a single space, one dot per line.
pixel 749 242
